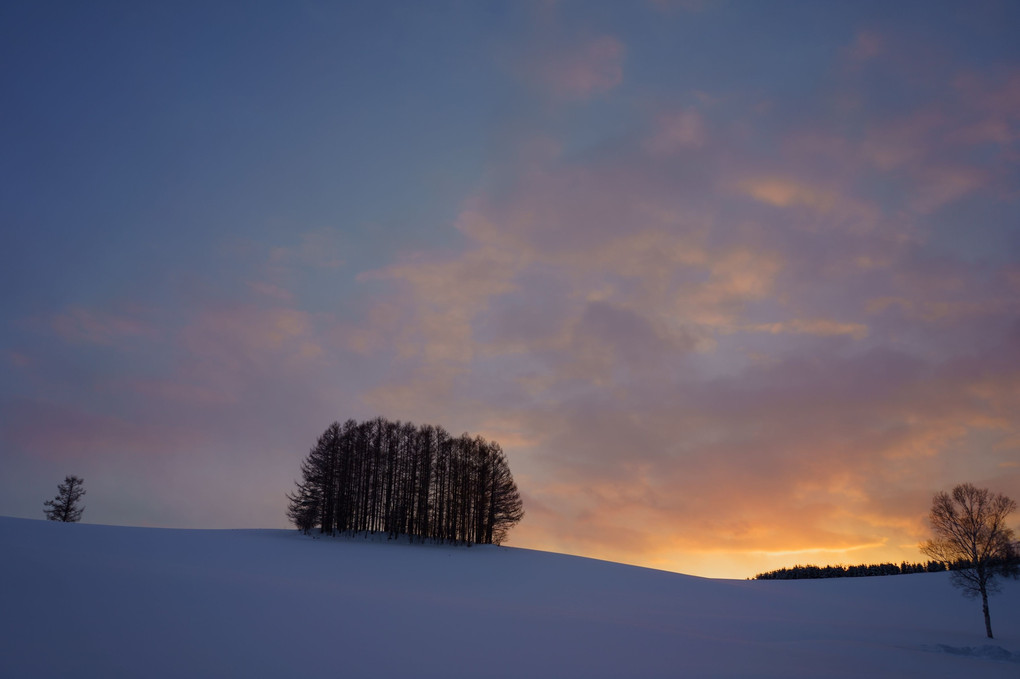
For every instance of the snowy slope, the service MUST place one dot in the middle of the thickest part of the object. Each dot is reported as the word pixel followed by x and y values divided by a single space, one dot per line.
pixel 102 601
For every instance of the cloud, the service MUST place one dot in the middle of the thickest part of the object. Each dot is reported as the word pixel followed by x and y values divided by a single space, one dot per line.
pixel 253 335
pixel 676 131
pixel 686 5
pixel 715 325
pixel 940 310
pixel 934 150
pixel 79 324
pixel 440 297
pixel 181 389
pixel 323 248
pixel 18 359
pixel 867 46
pixel 993 104
pixel 579 71
pixel 270 290
pixel 790 455
pixel 785 192
pixel 939 186
pixel 73 435
pixel 682 372
pixel 821 327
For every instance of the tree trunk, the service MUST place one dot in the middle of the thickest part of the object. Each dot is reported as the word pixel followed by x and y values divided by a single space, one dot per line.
pixel 984 608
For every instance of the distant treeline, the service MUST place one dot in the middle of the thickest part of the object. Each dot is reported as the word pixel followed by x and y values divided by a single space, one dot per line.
pixel 402 479
pixel 863 570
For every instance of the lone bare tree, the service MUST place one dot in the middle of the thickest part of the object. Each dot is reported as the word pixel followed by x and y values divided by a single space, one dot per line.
pixel 971 535
pixel 64 507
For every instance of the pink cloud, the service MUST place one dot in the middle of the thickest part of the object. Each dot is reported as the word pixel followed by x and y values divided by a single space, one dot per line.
pixel 677 131
pixel 18 359
pixel 271 290
pixel 580 71
pixel 98 327
pixel 933 146
pixel 867 45
pixel 939 186
pixel 254 335
pixel 64 433
pixel 995 101
pixel 179 390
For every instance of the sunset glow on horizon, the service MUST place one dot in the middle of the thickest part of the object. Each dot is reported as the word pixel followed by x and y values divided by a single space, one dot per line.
pixel 735 285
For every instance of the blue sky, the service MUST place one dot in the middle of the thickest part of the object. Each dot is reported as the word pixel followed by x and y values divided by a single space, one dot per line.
pixel 734 283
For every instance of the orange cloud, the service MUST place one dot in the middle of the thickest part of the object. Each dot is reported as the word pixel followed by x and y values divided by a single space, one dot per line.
pixel 601 316
pixel 609 434
pixel 785 192
pixel 821 327
pixel 811 483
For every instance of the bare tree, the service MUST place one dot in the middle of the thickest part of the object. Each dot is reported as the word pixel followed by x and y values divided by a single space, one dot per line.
pixel 303 506
pixel 971 534
pixel 64 507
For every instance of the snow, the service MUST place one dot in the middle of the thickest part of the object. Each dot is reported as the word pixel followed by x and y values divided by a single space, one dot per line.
pixel 103 601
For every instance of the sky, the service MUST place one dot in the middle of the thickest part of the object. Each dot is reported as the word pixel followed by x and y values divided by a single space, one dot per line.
pixel 736 285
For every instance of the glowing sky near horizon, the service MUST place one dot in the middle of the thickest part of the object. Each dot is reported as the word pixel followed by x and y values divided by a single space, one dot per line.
pixel 735 284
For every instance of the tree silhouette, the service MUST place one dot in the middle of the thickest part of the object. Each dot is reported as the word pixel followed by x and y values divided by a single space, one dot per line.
pixel 64 507
pixel 970 532
pixel 397 478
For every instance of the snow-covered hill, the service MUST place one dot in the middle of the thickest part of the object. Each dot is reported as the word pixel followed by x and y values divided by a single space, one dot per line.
pixel 100 601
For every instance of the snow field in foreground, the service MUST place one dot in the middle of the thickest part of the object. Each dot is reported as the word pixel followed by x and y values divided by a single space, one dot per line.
pixel 103 601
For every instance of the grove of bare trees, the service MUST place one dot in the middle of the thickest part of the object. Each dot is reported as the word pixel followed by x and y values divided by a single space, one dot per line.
pixel 403 479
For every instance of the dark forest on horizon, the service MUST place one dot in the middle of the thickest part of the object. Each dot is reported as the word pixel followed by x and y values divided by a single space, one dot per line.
pixel 860 571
